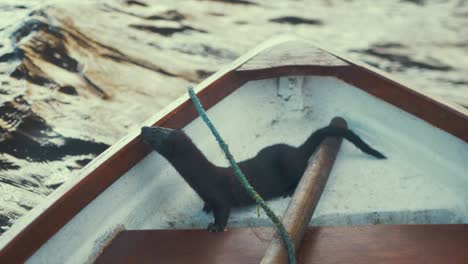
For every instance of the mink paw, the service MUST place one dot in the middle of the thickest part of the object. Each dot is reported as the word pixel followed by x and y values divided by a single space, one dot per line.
pixel 215 228
pixel 207 208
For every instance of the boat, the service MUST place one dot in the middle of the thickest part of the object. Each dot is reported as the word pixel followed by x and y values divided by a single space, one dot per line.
pixel 130 206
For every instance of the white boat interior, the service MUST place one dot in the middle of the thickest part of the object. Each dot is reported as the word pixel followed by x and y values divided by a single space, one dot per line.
pixel 424 179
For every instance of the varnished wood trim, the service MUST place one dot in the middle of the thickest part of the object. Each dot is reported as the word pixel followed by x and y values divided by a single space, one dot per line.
pixel 408 244
pixel 292 53
pixel 105 170
pixel 290 71
pixel 40 224
pixel 305 199
pixel 28 235
pixel 450 118
pixel 114 162
pixel 424 107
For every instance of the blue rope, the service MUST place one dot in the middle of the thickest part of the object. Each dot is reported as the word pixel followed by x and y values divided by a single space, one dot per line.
pixel 258 199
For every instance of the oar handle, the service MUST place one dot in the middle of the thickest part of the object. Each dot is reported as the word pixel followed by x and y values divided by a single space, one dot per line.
pixel 306 197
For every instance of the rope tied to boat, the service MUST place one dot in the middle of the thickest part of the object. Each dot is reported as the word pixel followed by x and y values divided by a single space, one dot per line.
pixel 240 175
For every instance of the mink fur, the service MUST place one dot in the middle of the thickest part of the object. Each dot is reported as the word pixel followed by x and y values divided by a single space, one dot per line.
pixel 273 172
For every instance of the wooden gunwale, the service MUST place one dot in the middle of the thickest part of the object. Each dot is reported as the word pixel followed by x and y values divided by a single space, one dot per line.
pixel 28 236
pixel 400 244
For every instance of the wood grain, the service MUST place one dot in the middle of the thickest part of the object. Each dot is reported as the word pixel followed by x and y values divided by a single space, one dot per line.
pixel 103 171
pixel 399 244
pixel 292 53
pixel 304 59
pixel 433 111
pixel 305 198
pixel 118 159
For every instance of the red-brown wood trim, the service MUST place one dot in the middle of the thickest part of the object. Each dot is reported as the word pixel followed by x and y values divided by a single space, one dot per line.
pixel 408 244
pixel 292 53
pixel 119 158
pixel 302 58
pixel 60 212
pixel 261 74
pixel 105 170
pixel 306 197
pixel 426 108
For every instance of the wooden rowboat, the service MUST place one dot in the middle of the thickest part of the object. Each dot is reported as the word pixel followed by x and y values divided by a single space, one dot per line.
pixel 130 206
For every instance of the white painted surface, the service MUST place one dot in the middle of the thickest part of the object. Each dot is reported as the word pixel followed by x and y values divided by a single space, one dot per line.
pixel 423 181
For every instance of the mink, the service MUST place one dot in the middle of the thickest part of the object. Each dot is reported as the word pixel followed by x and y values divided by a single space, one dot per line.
pixel 275 171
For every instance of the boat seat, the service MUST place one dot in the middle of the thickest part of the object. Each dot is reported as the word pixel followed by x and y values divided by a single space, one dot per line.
pixel 352 244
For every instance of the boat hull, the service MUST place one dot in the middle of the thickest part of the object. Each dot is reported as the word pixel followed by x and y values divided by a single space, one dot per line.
pixel 255 105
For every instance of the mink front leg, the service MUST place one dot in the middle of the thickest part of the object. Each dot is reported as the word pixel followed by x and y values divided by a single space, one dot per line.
pixel 221 215
pixel 207 208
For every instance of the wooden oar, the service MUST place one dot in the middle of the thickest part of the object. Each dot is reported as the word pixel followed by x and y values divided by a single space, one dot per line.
pixel 306 197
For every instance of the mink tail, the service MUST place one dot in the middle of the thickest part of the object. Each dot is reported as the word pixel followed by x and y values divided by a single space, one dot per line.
pixel 331 131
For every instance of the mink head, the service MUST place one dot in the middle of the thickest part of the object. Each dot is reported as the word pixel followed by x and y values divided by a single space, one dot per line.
pixel 163 140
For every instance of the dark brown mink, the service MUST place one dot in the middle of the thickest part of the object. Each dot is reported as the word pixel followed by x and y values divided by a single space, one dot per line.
pixel 275 171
